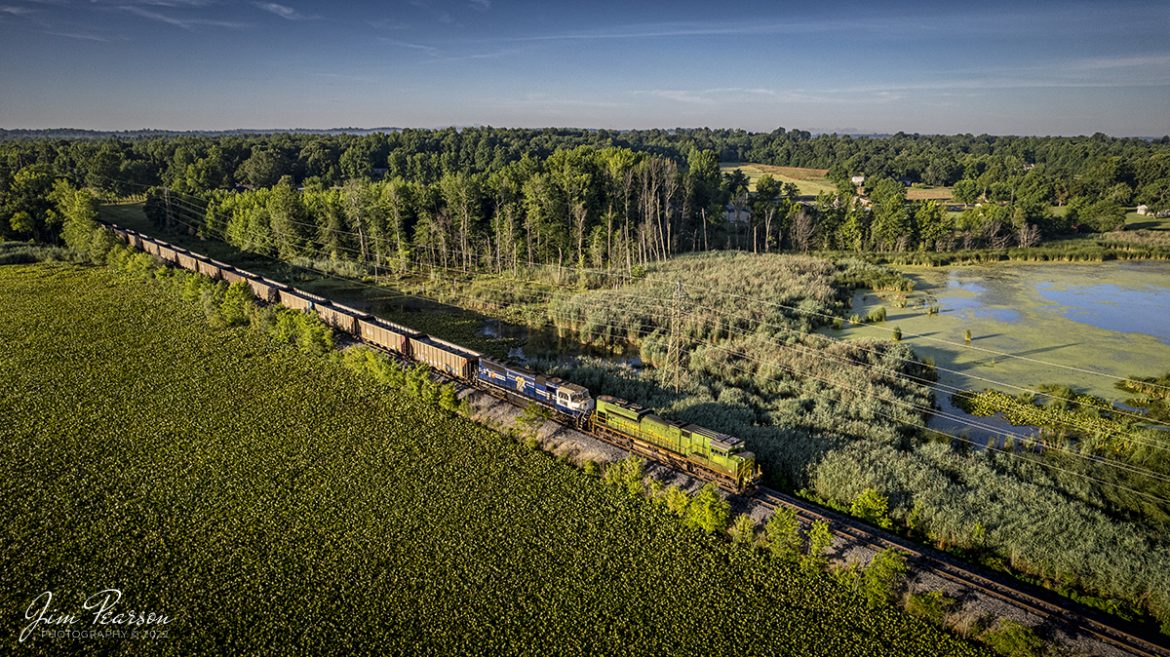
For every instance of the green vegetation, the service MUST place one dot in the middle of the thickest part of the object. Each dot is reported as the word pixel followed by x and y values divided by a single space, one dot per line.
pixel 1013 639
pixel 730 360
pixel 1150 394
pixel 511 220
pixel 743 530
pixel 16 253
pixel 875 316
pixel 872 507
pixel 1080 424
pixel 627 474
pixel 708 511
pixel 782 532
pixel 490 199
pixel 881 578
pixel 819 540
pixel 215 459
pixel 930 605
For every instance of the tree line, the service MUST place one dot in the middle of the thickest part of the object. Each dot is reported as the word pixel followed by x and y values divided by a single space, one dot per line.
pixel 495 198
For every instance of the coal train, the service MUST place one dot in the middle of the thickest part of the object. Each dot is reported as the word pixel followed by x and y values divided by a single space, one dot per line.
pixel 688 447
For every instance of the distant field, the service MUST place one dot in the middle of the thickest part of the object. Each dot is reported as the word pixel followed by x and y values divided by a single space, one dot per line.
pixel 929 193
pixel 810 181
pixel 815 181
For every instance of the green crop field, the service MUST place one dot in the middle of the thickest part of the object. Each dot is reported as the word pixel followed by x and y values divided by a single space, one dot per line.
pixel 269 501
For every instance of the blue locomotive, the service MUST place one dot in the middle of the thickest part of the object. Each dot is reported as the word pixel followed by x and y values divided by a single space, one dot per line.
pixel 565 397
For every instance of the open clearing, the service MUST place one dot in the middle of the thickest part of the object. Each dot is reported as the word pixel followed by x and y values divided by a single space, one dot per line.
pixel 1135 221
pixel 815 181
pixel 929 194
pixel 260 497
pixel 810 181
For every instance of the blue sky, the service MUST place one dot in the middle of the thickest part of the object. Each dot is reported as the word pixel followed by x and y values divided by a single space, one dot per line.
pixel 931 67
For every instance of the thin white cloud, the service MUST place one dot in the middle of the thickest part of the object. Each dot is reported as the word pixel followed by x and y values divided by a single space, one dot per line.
pixel 399 43
pixel 79 36
pixel 388 24
pixel 13 10
pixel 284 11
pixel 181 22
pixel 666 30
pixel 716 95
pixel 482 5
pixel 1156 61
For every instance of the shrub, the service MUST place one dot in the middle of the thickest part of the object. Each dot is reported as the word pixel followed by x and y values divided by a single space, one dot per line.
pixel 819 540
pixel 590 467
pixel 743 530
pixel 1013 639
pixel 876 315
pixel 314 337
pixel 448 400
pixel 534 416
pixel 932 605
pixel 872 507
pixel 237 304
pixel 881 577
pixel 654 488
pixel 783 534
pixel 627 474
pixel 708 511
pixel 677 501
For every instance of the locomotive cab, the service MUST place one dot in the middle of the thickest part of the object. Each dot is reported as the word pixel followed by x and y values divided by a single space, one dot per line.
pixel 575 398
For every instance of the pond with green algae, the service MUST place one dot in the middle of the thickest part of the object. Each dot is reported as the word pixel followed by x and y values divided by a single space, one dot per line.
pixel 1082 325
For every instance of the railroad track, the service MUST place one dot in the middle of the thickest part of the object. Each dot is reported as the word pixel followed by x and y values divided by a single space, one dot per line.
pixel 1074 617
pixel 1070 615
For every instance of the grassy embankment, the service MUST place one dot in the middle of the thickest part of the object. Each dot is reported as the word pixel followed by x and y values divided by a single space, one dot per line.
pixel 261 497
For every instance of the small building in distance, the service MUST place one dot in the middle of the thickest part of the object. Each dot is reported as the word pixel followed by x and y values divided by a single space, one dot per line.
pixel 733 215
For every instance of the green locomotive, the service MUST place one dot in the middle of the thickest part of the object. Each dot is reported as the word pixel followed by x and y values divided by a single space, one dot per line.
pixel 697 447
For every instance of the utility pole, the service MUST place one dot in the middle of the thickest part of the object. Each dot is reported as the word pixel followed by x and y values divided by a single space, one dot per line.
pixel 674 355
pixel 167 200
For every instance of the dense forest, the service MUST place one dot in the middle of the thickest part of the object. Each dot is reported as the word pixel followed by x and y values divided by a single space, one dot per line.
pixel 490 198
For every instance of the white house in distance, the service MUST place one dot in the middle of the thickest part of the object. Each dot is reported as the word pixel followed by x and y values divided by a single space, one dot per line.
pixel 1143 210
pixel 857 181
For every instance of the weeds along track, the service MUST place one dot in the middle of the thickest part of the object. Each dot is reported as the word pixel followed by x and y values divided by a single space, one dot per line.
pixel 1069 615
